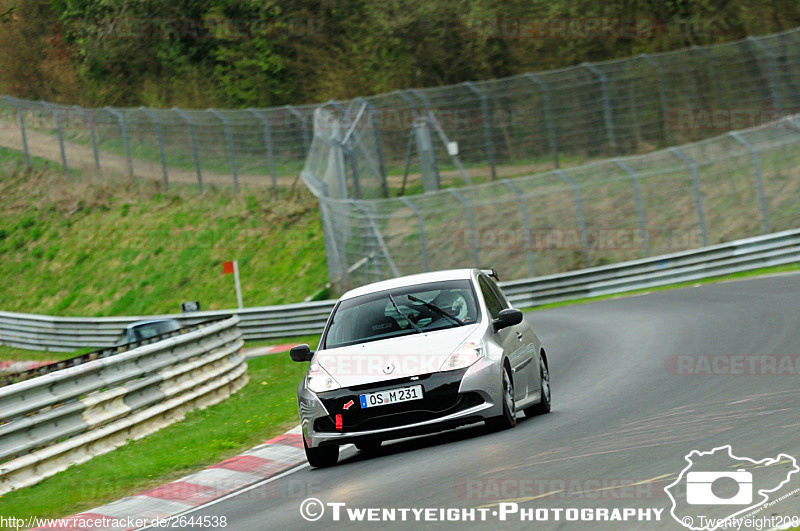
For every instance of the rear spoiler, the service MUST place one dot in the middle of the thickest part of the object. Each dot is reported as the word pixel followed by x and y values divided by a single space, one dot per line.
pixel 491 272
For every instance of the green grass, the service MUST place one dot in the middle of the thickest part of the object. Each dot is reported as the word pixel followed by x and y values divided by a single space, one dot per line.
pixel 21 354
pixel 98 248
pixel 262 409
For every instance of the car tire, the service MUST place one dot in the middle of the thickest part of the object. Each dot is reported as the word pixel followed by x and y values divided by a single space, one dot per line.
pixel 322 456
pixel 544 404
pixel 368 446
pixel 508 419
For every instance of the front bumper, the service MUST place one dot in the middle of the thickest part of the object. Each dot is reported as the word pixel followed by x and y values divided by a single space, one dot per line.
pixel 450 399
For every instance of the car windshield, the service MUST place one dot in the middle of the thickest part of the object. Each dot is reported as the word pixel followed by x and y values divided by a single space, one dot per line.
pixel 410 310
pixel 149 330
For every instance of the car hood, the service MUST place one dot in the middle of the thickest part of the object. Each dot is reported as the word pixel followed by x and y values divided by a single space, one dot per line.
pixel 392 358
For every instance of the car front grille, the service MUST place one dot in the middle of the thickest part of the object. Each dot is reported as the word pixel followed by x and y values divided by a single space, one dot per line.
pixel 440 398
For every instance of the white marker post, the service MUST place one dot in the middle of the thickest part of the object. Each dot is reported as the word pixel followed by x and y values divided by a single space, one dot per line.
pixel 233 267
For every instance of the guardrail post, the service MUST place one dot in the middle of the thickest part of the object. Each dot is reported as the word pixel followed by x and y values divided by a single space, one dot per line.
pixel 470 224
pixel 662 96
pixel 60 134
pixel 229 140
pixel 124 128
pixel 21 120
pixel 160 137
pixel 423 246
pixel 193 137
pixel 578 213
pixel 89 117
pixel 487 125
pixel 612 140
pixel 772 69
pixel 266 127
pixel 304 129
pixel 692 165
pixel 757 175
pixel 638 198
pixel 523 210
pixel 548 115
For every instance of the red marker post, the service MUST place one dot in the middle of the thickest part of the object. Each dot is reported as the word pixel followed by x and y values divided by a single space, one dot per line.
pixel 233 268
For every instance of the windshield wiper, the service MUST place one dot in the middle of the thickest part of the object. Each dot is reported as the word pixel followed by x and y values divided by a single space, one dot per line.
pixel 407 318
pixel 435 309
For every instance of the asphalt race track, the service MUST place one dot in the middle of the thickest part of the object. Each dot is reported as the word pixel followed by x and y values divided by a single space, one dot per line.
pixel 638 383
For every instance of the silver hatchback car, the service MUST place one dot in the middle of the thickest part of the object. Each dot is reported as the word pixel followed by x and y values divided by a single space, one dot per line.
pixel 418 354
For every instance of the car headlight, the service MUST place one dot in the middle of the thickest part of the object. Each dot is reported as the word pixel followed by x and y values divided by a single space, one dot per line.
pixel 318 379
pixel 468 353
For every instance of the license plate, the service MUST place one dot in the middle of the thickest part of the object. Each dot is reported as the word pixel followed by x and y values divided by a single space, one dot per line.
pixel 392 396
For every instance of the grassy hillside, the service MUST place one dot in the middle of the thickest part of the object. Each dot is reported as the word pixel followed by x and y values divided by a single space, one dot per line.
pixel 72 246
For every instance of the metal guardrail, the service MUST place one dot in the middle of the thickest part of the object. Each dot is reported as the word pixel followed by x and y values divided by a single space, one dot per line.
pixel 68 416
pixel 65 334
pixel 292 320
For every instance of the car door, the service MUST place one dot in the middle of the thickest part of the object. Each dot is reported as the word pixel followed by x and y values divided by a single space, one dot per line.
pixel 507 338
pixel 520 347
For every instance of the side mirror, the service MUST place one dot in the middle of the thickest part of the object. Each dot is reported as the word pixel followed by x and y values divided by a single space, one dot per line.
pixel 507 317
pixel 301 353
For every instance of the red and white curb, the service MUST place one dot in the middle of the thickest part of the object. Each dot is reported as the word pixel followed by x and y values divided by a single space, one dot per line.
pixel 262 351
pixel 262 462
pixel 12 367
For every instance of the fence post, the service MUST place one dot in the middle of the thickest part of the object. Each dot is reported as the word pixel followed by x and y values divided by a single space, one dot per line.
pixel 229 140
pixel 612 140
pixel 772 69
pixel 265 125
pixel 423 246
pixel 89 117
pixel 470 224
pixel 548 114
pixel 487 125
pixel 21 120
pixel 160 137
pixel 637 196
pixel 714 73
pixel 304 129
pixel 662 96
pixel 377 233
pixel 193 137
pixel 124 128
pixel 371 115
pixel 410 145
pixel 579 213
pixel 692 165
pixel 431 119
pixel 60 135
pixel 523 210
pixel 762 203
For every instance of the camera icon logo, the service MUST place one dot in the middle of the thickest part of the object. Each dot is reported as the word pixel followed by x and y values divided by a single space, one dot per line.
pixel 699 488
